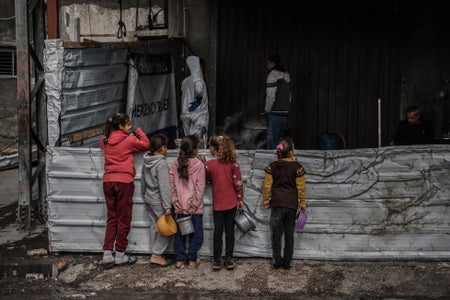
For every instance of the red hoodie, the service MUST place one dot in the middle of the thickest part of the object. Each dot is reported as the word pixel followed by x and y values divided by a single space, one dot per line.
pixel 119 166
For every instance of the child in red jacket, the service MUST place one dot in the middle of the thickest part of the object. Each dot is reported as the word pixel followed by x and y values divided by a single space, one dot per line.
pixel 118 145
pixel 225 176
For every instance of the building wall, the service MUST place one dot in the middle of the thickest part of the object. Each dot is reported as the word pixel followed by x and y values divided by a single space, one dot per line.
pixel 191 21
pixel 98 20
pixel 7 23
pixel 426 61
pixel 422 59
pixel 8 84
pixel 8 116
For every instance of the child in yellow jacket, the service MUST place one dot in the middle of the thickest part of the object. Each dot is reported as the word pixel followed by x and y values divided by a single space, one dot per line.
pixel 284 191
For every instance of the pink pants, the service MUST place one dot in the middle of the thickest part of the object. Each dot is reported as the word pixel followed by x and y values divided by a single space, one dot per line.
pixel 119 201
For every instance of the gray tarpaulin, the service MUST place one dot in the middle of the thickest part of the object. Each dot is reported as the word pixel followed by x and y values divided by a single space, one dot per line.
pixel 383 203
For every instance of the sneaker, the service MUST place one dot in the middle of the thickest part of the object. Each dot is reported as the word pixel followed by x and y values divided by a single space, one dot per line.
pixel 122 259
pixel 230 264
pixel 108 260
pixel 217 265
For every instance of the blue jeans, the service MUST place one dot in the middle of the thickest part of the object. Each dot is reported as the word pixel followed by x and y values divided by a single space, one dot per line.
pixel 195 240
pixel 275 128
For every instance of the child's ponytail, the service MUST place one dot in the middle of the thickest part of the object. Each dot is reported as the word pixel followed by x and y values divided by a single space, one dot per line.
pixel 284 147
pixel 113 123
pixel 187 147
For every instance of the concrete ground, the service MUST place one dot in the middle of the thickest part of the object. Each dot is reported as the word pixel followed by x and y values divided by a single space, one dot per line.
pixel 29 271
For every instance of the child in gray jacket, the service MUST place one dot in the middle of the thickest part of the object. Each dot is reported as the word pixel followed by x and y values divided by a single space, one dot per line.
pixel 156 194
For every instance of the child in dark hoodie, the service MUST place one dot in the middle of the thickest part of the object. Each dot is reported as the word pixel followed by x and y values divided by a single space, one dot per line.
pixel 284 192
pixel 156 194
pixel 118 146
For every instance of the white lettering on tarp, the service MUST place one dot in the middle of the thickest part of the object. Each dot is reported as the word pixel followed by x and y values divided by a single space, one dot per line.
pixel 153 68
pixel 152 64
pixel 150 108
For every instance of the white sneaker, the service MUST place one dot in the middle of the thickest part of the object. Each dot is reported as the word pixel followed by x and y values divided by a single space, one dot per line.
pixel 122 259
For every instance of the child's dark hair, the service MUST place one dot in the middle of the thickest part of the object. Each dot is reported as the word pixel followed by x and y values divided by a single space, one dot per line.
pixel 113 123
pixel 187 147
pixel 157 142
pixel 224 146
pixel 285 146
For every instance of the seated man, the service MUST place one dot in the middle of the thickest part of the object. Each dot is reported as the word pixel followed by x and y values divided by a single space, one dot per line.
pixel 414 129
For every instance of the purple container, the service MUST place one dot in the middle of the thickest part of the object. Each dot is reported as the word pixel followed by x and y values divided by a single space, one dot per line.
pixel 301 221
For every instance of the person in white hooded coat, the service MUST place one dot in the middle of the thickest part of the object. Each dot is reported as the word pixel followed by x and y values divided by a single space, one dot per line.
pixel 194 102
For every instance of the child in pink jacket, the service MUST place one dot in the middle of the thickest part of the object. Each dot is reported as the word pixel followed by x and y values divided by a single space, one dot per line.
pixel 187 186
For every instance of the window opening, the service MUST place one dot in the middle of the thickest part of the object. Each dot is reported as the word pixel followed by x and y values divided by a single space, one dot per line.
pixel 8 62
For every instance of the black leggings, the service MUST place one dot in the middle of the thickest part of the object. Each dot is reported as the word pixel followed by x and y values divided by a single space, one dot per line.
pixel 224 219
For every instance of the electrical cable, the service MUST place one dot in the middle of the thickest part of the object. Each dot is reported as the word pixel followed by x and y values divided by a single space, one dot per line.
pixel 7 18
pixel 9 146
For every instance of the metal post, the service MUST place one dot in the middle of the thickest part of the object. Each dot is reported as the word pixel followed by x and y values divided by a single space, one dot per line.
pixel 76 30
pixel 52 18
pixel 23 113
pixel 41 105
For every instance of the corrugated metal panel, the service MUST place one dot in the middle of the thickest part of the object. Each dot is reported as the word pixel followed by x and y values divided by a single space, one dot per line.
pixel 342 56
pixel 386 203
pixel 84 86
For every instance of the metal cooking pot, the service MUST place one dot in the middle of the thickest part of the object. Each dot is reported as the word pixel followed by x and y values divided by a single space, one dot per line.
pixel 244 222
pixel 185 225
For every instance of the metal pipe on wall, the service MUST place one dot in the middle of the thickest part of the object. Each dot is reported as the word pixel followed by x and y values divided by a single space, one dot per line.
pixel 379 122
pixel 76 29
